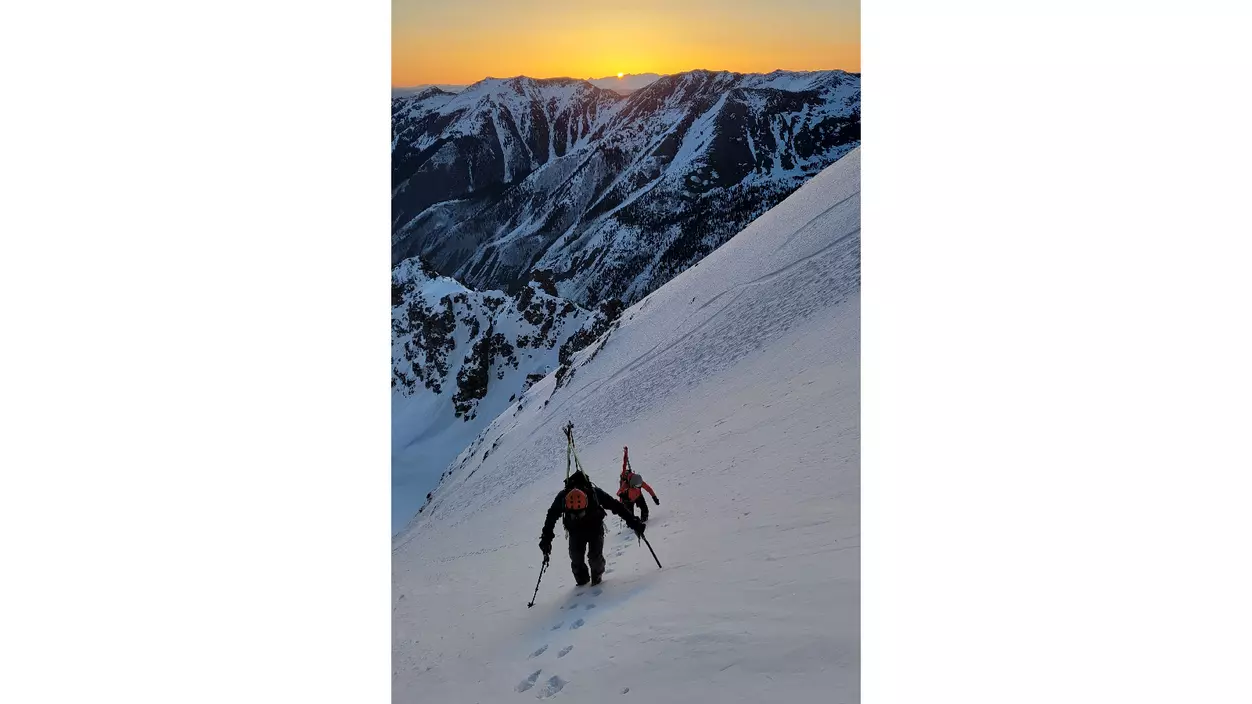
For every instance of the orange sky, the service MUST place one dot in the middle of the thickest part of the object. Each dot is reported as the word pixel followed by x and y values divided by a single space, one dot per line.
pixel 463 41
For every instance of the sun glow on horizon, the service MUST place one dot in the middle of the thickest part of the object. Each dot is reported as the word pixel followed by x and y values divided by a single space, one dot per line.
pixel 460 43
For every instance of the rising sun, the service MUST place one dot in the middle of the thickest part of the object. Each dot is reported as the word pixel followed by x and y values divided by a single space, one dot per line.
pixel 620 74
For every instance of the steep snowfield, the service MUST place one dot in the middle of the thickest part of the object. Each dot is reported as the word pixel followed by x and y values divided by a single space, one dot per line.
pixel 736 386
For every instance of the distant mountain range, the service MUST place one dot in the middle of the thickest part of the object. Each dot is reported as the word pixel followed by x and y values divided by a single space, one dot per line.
pixel 624 85
pixel 627 84
pixel 606 196
pixel 413 90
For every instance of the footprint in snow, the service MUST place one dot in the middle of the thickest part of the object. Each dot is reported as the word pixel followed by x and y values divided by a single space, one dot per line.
pixel 557 627
pixel 625 690
pixel 565 651
pixel 529 681
pixel 576 625
pixel 552 686
pixel 538 652
pixel 589 607
pixel 597 591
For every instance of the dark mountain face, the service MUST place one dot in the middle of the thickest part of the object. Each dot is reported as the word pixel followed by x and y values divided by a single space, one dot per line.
pixel 455 341
pixel 480 141
pixel 608 195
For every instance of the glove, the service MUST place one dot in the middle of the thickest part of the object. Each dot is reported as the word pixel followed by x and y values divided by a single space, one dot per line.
pixel 656 501
pixel 546 547
pixel 638 527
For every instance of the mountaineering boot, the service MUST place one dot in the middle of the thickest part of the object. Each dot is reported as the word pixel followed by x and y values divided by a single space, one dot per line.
pixel 595 579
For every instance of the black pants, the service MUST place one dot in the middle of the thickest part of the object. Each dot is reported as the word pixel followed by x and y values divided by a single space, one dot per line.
pixel 641 503
pixel 591 543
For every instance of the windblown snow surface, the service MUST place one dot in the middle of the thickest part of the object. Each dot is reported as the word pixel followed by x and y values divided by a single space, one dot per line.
pixel 736 387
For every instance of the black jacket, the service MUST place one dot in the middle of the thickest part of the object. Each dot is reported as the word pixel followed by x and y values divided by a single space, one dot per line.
pixel 594 519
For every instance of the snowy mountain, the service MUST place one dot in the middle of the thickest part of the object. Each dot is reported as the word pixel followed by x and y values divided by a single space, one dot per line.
pixel 459 357
pixel 495 132
pixel 413 90
pixel 626 84
pixel 612 195
pixel 736 387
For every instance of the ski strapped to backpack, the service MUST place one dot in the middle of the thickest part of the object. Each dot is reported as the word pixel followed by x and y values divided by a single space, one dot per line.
pixel 570 450
pixel 630 471
pixel 629 475
pixel 576 500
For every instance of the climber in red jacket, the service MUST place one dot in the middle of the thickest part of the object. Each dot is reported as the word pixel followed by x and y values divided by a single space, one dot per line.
pixel 632 488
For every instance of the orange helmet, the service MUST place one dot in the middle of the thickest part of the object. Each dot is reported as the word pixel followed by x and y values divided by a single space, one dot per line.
pixel 576 500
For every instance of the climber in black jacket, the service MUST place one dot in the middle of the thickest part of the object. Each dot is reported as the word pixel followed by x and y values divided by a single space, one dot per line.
pixel 582 506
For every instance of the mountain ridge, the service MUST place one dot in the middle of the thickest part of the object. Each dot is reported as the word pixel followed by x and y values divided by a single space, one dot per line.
pixel 518 175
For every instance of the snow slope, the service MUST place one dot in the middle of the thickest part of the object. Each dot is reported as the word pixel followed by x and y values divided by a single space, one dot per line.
pixel 736 387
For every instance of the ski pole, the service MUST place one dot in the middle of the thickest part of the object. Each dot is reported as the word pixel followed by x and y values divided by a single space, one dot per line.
pixel 541 571
pixel 645 542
